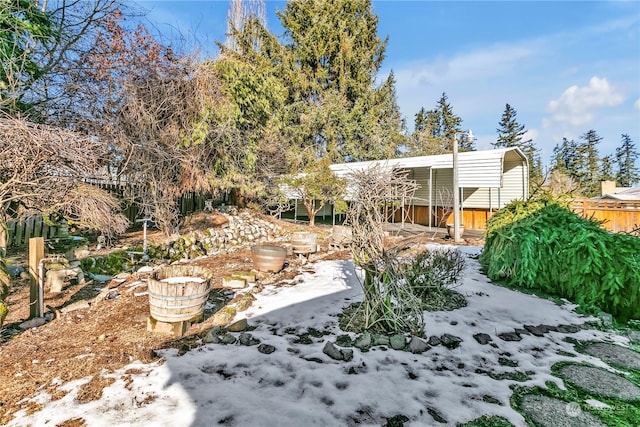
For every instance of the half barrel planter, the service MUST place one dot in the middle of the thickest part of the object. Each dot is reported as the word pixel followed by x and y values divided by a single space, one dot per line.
pixel 268 258
pixel 179 293
pixel 304 243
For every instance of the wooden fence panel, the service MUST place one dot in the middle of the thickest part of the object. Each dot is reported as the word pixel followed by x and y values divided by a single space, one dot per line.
pixel 616 215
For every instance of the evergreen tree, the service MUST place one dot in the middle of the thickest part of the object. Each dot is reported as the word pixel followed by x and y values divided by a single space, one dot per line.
pixel 566 160
pixel 23 25
pixel 511 134
pixel 435 130
pixel 607 172
pixel 332 57
pixel 626 156
pixel 588 152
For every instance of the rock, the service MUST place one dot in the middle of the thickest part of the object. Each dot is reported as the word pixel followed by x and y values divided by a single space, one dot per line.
pixel 229 339
pixel 15 271
pixel 266 348
pixel 509 336
pixel 537 331
pixel 606 319
pixel 332 351
pixel 568 329
pixel 248 276
pixel 614 354
pixel 417 345
pixel 224 316
pixel 380 339
pixel 450 341
pixel 239 326
pixel 78 305
pixel 145 269
pixel 232 282
pixel 599 381
pixel 211 337
pixel 363 342
pixel 123 275
pixel 397 342
pixel 548 411
pixel 33 323
pixel 101 277
pixel 347 354
pixel 434 341
pixel 483 339
pixel 437 416
pixel 248 339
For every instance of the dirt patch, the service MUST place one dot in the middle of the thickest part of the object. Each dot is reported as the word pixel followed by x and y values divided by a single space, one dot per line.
pixel 110 333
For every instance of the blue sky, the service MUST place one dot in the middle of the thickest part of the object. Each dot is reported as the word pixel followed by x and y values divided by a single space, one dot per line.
pixel 566 67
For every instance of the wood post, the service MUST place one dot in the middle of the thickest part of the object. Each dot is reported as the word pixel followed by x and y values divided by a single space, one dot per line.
pixel 36 253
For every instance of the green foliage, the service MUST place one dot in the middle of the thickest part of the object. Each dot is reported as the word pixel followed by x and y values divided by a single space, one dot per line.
pixel 22 26
pixel 542 245
pixel 626 159
pixel 511 134
pixel 317 186
pixel 487 421
pixel 435 130
pixel 112 264
pixel 433 270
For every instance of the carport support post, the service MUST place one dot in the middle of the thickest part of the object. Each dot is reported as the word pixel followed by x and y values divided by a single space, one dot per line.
pixel 36 253
pixel 456 193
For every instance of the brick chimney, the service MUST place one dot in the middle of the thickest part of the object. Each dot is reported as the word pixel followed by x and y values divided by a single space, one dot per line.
pixel 607 187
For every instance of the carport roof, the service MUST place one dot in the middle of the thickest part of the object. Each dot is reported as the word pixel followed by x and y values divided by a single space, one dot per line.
pixel 477 169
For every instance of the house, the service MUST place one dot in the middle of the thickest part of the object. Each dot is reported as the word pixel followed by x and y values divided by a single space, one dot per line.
pixel 488 180
pixel 609 190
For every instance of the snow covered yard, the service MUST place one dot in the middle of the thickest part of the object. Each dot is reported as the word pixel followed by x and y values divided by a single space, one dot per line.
pixel 288 381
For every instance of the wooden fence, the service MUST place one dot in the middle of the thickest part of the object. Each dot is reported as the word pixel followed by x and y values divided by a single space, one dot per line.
pixel 19 232
pixel 617 216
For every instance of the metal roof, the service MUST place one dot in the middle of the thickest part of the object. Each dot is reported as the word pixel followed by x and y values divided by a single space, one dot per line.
pixel 476 169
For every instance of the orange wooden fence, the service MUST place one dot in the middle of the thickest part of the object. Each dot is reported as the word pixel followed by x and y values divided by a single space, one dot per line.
pixel 616 215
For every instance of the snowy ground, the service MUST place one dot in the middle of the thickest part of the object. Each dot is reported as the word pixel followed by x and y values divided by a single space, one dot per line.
pixel 299 385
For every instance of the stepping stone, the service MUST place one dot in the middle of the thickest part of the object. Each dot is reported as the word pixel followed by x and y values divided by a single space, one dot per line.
pixel 614 354
pixel 550 412
pixel 483 339
pixel 509 336
pixel 604 383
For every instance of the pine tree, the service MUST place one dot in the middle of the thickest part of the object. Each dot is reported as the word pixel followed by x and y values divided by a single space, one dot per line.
pixel 590 159
pixel 333 58
pixel 626 156
pixel 607 169
pixel 511 134
pixel 435 130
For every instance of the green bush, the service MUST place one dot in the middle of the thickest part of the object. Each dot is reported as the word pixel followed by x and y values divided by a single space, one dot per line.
pixel 433 270
pixel 542 245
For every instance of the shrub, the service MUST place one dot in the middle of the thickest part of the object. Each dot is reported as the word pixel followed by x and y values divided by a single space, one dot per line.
pixel 542 245
pixel 433 270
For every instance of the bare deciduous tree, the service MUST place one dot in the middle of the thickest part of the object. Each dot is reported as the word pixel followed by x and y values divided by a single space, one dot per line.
pixel 42 170
pixel 389 303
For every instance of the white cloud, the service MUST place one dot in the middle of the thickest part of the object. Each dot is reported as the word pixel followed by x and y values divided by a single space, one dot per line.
pixel 637 104
pixel 576 106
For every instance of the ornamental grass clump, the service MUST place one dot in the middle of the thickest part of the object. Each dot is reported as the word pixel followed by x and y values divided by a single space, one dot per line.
pixel 545 246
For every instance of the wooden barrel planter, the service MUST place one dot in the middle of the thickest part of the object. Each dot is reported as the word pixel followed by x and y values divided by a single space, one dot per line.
pixel 268 258
pixel 304 243
pixel 341 235
pixel 179 293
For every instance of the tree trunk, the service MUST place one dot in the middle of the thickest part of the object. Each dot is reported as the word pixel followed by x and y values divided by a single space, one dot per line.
pixel 310 206
pixel 4 272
